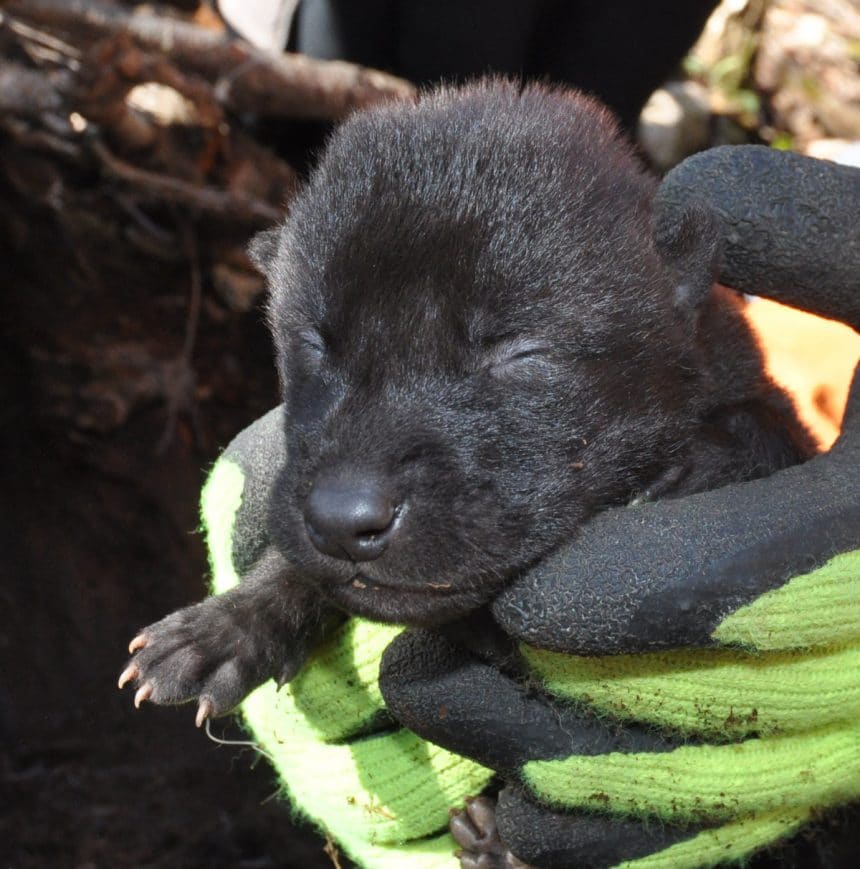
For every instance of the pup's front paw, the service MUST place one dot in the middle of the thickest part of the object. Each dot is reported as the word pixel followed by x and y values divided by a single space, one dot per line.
pixel 474 829
pixel 195 653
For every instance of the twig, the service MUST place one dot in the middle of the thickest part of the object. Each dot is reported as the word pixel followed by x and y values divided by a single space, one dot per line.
pixel 40 139
pixel 32 34
pixel 180 391
pixel 330 850
pixel 207 200
pixel 195 296
pixel 159 234
pixel 27 92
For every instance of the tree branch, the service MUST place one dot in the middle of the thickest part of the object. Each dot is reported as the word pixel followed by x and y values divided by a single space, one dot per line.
pixel 247 80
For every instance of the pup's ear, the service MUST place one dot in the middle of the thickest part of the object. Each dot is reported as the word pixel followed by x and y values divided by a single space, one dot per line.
pixel 690 240
pixel 263 249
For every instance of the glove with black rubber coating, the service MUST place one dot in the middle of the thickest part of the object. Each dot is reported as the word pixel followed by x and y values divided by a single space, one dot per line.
pixel 694 688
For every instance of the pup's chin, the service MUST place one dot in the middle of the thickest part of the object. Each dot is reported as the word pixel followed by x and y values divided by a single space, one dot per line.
pixel 406 606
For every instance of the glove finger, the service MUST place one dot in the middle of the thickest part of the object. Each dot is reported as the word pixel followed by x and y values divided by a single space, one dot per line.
pixel 441 692
pixel 256 455
pixel 699 569
pixel 709 783
pixel 735 840
pixel 720 693
pixel 807 255
pixel 546 838
pixel 821 607
pixel 795 837
pixel 549 838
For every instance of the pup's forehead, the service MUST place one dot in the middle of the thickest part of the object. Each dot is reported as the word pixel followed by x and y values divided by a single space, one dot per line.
pixel 436 279
pixel 425 220
pixel 414 310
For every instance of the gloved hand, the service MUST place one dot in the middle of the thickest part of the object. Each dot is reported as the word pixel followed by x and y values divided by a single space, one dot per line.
pixel 756 584
pixel 760 583
pixel 770 567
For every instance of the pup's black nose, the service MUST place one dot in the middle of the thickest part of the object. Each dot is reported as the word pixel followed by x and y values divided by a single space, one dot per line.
pixel 352 516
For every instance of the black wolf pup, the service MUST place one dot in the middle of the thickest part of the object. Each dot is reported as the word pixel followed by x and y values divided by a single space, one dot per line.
pixel 483 339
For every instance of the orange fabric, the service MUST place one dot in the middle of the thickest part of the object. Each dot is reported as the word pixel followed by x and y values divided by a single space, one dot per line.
pixel 812 358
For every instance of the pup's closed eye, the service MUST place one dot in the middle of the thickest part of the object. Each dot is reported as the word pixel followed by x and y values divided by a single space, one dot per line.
pixel 313 347
pixel 517 355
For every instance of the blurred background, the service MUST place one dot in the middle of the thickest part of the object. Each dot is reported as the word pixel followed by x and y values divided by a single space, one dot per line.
pixel 141 145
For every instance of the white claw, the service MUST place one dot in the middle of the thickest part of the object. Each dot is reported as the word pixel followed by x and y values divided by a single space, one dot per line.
pixel 137 643
pixel 130 673
pixel 143 693
pixel 204 711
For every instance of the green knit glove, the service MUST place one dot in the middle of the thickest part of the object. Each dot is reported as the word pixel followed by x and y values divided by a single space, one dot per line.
pixel 382 793
pixel 791 696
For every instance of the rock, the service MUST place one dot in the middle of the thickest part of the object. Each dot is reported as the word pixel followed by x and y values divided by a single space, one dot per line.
pixel 675 123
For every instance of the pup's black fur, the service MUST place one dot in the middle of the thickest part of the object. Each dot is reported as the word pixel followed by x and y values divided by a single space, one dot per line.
pixel 483 340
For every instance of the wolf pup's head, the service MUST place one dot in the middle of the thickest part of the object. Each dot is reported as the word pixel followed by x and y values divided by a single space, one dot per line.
pixel 481 343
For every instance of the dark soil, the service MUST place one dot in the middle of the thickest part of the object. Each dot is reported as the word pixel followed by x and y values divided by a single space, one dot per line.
pixel 98 539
